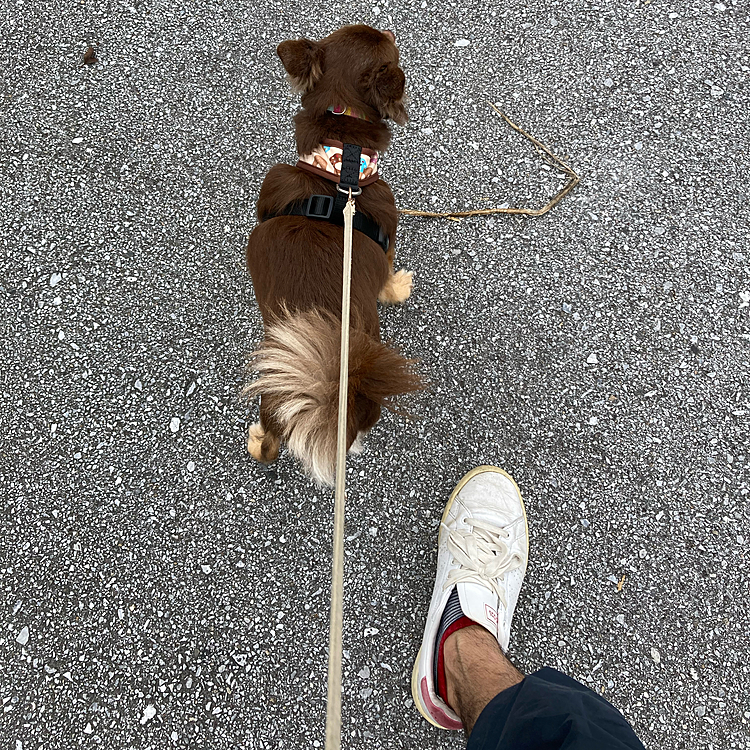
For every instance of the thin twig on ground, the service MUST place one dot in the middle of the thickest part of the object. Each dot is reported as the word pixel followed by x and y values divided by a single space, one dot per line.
pixel 556 162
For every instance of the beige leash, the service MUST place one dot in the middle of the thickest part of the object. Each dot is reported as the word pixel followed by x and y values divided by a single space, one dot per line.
pixel 335 640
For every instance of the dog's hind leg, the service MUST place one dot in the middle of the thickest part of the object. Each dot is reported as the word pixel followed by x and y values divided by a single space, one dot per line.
pixel 255 440
pixel 397 287
pixel 262 444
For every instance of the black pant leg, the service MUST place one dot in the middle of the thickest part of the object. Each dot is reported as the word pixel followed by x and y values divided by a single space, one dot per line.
pixel 551 711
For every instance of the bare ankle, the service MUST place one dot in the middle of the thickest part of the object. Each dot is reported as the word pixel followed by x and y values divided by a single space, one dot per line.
pixel 476 670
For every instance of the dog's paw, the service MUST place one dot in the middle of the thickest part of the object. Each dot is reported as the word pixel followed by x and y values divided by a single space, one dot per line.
pixel 356 447
pixel 397 288
pixel 255 437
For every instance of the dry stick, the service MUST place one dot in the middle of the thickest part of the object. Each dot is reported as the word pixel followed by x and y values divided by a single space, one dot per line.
pixel 559 163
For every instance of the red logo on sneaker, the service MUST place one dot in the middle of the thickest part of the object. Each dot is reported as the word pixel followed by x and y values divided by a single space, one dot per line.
pixel 490 613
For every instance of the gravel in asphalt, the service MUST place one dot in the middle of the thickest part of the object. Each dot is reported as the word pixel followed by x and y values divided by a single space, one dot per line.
pixel 159 588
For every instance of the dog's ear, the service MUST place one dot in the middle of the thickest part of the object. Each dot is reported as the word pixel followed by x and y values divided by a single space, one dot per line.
pixel 303 61
pixel 388 92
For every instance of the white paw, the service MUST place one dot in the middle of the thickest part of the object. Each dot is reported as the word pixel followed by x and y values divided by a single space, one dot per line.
pixel 398 287
pixel 357 447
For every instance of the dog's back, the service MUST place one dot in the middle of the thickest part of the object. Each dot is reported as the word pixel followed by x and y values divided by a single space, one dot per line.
pixel 296 262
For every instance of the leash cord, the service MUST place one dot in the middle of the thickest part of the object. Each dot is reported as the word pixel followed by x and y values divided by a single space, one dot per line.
pixel 335 633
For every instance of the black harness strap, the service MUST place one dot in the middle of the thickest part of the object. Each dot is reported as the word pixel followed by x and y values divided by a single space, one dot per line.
pixel 349 180
pixel 323 207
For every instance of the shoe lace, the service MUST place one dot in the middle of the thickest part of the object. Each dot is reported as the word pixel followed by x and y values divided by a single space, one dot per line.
pixel 482 554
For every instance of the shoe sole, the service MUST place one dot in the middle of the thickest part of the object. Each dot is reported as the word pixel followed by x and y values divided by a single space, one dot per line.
pixel 461 484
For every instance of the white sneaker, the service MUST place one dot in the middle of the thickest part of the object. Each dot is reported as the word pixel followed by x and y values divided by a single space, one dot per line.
pixel 483 548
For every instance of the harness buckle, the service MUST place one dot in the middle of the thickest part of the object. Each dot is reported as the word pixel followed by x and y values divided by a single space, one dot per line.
pixel 319 207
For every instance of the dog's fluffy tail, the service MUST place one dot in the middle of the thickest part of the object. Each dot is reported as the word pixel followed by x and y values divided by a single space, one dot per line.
pixel 298 363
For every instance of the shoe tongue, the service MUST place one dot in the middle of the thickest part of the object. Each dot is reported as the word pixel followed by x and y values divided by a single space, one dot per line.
pixel 479 604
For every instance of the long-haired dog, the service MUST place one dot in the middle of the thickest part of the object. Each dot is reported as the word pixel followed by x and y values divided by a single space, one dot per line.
pixel 350 83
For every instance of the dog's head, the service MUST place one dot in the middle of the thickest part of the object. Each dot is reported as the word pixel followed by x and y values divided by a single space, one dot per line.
pixel 356 66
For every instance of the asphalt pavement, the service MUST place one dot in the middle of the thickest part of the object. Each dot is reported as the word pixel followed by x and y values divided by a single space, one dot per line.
pixel 159 588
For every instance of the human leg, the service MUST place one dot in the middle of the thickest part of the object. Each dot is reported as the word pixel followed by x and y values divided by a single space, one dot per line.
pixel 476 670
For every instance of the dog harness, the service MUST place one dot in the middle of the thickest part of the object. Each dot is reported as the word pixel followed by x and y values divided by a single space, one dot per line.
pixel 350 167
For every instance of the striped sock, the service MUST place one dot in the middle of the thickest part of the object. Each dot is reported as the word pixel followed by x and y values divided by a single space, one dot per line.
pixel 453 619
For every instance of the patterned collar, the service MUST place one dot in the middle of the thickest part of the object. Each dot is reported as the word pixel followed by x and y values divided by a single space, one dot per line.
pixel 338 110
pixel 325 161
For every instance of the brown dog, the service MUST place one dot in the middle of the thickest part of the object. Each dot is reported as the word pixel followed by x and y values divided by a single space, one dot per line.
pixel 350 83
